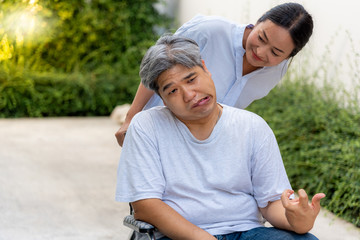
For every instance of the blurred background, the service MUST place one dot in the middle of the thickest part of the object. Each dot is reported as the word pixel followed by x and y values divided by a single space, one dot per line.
pixel 57 51
pixel 81 58
pixel 72 58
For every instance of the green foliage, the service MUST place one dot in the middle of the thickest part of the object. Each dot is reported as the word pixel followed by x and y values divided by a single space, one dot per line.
pixel 54 94
pixel 319 142
pixel 81 35
pixel 100 31
pixel 72 58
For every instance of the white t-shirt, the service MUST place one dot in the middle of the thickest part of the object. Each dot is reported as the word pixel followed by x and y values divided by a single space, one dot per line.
pixel 217 184
pixel 220 42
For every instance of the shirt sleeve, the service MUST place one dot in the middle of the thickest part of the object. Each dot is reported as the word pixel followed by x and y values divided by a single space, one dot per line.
pixel 139 174
pixel 269 176
pixel 205 31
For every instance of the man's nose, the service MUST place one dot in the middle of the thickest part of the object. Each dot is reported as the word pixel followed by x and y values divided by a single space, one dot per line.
pixel 188 94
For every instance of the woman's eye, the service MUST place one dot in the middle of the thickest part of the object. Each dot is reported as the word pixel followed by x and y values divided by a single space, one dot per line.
pixel 261 39
pixel 191 80
pixel 274 53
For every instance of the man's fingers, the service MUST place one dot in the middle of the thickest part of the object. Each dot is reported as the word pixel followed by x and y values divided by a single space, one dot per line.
pixel 285 197
pixel 303 198
pixel 316 201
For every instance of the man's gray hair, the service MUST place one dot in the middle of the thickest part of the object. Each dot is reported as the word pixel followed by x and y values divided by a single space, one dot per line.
pixel 168 51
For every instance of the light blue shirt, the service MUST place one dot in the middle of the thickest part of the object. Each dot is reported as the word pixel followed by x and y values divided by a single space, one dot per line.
pixel 217 184
pixel 220 42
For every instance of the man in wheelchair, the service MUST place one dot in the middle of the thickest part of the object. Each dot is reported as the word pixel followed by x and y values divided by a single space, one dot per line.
pixel 198 169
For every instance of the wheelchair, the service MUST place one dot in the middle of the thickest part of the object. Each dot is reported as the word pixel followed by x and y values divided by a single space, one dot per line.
pixel 140 230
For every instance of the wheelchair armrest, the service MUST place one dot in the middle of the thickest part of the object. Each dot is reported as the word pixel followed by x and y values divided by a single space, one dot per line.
pixel 138 226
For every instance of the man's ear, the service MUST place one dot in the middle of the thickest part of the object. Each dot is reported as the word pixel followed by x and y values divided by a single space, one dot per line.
pixel 205 68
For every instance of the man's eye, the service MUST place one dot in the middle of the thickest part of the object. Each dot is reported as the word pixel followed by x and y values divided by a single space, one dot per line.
pixel 191 80
pixel 172 91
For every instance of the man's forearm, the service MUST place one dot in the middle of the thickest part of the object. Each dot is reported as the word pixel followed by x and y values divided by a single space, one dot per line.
pixel 274 213
pixel 167 220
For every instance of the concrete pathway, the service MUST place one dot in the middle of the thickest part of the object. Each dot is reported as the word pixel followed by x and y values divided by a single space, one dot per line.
pixel 57 181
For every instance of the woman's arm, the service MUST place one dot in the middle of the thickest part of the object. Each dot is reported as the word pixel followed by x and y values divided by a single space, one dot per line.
pixel 142 96
pixel 296 215
pixel 167 220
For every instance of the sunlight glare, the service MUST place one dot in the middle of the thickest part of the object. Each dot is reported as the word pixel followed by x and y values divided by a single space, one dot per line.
pixel 26 23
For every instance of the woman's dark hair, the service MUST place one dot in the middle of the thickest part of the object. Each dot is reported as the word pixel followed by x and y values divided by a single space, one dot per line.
pixel 294 18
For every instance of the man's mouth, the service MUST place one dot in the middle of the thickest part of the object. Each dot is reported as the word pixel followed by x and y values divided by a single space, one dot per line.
pixel 201 102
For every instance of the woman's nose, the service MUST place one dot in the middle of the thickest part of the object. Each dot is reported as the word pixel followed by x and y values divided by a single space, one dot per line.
pixel 260 51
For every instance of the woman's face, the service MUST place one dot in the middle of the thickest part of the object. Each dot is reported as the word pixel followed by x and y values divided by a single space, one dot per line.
pixel 268 44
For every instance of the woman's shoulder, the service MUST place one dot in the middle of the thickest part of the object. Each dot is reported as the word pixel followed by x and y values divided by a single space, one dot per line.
pixel 206 24
pixel 199 18
pixel 213 30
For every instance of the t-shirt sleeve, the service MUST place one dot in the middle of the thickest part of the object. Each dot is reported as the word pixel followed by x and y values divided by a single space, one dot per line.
pixel 139 174
pixel 269 176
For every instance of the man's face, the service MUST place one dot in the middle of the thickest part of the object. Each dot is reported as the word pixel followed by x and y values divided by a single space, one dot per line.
pixel 188 93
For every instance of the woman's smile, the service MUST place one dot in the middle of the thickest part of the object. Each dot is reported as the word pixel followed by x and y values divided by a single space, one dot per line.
pixel 256 56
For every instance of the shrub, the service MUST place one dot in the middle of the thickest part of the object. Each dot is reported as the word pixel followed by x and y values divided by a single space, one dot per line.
pixel 319 141
pixel 55 94
pixel 79 35
pixel 82 59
